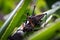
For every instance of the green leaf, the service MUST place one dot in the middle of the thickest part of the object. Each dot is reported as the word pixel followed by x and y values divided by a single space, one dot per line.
pixel 47 33
pixel 16 19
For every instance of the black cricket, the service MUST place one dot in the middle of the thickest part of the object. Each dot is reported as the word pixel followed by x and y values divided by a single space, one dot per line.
pixel 28 26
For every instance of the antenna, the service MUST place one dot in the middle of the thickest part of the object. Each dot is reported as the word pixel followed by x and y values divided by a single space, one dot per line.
pixel 33 14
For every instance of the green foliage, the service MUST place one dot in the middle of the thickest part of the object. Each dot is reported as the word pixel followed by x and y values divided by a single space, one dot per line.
pixel 1 23
pixel 6 6
pixel 47 33
pixel 16 19
pixel 40 5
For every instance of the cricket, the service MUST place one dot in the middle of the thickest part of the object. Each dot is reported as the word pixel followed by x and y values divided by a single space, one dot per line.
pixel 28 25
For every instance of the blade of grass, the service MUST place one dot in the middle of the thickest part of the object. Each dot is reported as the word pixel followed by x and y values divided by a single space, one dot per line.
pixel 46 33
pixel 5 25
pixel 15 20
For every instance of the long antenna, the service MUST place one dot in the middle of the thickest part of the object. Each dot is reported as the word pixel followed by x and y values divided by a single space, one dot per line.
pixel 34 3
pixel 33 14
